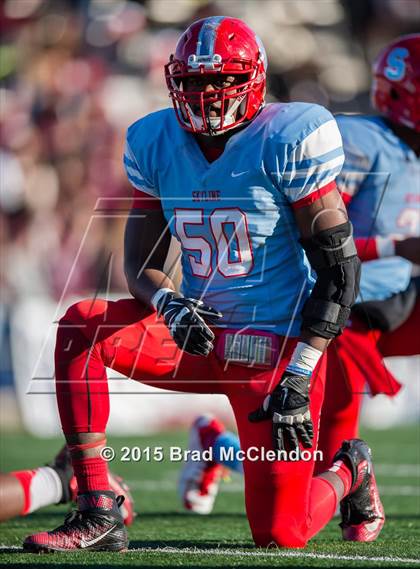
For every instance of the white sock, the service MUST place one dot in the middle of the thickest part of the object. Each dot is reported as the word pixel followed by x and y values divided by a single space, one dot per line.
pixel 46 488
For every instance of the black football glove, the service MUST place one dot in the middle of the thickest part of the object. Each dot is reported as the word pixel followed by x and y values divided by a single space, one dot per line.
pixel 288 408
pixel 187 320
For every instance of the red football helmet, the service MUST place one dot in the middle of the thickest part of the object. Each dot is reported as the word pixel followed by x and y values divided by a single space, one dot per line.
pixel 396 82
pixel 208 48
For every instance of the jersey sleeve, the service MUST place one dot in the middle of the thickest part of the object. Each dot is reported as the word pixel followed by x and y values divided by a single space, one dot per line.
pixel 136 162
pixel 359 161
pixel 314 163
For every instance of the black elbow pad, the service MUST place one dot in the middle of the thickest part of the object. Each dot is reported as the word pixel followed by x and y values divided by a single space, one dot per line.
pixel 332 254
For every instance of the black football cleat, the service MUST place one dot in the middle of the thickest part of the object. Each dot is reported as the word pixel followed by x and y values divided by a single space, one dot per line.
pixel 96 526
pixel 361 510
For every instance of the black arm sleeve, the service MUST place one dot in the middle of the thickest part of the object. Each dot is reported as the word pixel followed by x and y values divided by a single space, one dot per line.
pixel 332 254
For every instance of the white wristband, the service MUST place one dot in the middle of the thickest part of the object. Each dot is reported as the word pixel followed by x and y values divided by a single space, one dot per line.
pixel 304 359
pixel 385 246
pixel 158 295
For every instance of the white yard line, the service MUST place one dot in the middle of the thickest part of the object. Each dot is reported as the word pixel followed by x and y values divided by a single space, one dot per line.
pixel 399 490
pixel 240 553
pixel 237 486
pixel 278 553
pixel 397 470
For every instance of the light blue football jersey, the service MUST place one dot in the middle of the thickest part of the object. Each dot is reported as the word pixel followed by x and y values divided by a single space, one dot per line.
pixel 382 176
pixel 234 217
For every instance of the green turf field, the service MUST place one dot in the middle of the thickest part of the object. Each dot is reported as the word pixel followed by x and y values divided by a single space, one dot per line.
pixel 165 536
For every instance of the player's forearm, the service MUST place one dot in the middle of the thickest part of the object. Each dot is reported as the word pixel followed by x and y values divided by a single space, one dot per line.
pixel 409 248
pixel 378 247
pixel 316 342
pixel 375 247
pixel 146 246
pixel 145 285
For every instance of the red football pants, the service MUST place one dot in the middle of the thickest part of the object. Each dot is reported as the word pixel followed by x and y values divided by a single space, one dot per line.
pixel 284 503
pixel 355 367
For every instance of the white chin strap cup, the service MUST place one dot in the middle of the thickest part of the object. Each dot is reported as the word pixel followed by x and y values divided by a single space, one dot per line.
pixel 228 119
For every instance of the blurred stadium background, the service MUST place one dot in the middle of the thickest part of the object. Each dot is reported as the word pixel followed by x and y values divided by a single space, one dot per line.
pixel 74 74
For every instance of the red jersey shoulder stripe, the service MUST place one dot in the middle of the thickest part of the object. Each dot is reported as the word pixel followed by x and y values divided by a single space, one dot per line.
pixel 313 196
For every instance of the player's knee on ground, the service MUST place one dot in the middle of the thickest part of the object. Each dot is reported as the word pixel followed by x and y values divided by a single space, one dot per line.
pixel 282 533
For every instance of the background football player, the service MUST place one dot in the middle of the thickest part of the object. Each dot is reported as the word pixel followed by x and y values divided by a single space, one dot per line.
pixel 380 182
pixel 25 491
pixel 249 192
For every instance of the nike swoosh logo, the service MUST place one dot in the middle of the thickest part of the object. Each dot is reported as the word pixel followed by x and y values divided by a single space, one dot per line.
pixel 84 543
pixel 373 526
pixel 236 174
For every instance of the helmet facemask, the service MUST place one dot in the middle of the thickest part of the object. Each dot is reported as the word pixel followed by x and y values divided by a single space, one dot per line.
pixel 197 109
